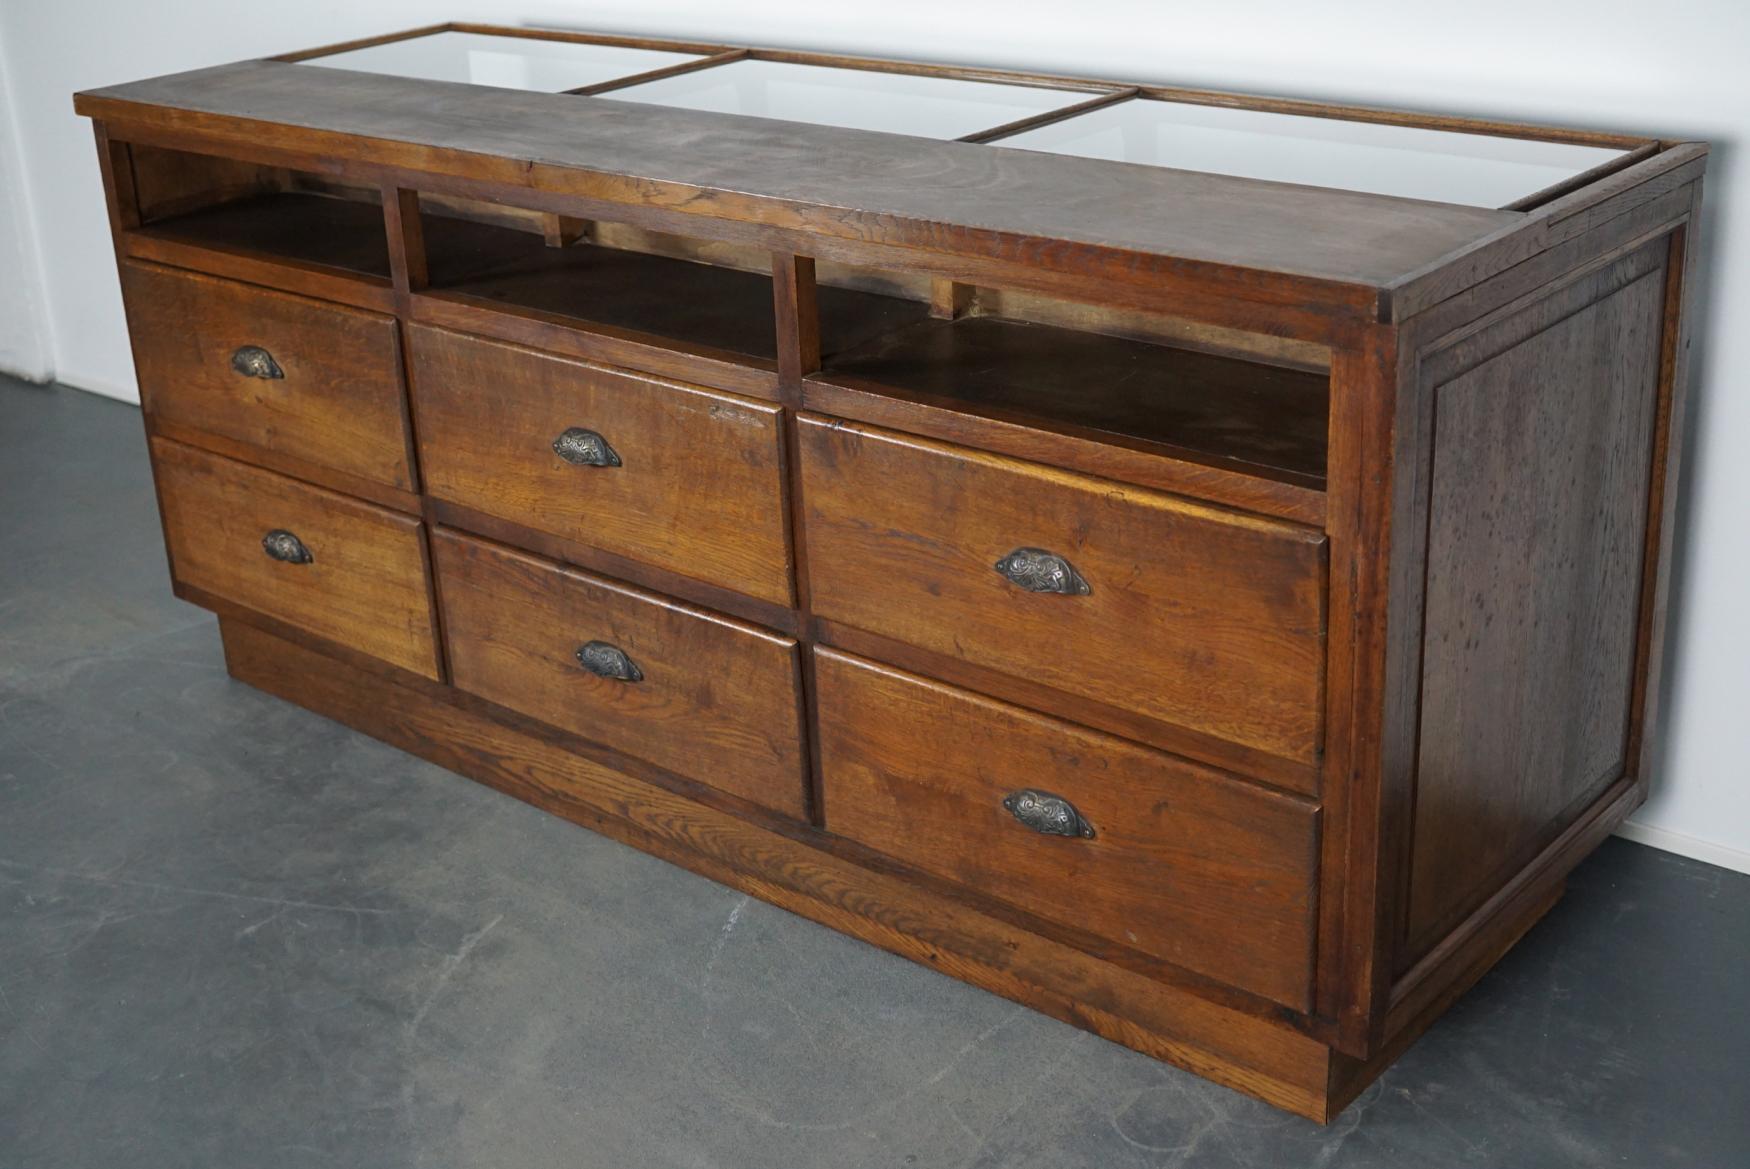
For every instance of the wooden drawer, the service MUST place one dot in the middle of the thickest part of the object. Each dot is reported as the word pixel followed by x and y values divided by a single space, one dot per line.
pixel 1208 872
pixel 309 380
pixel 361 582
pixel 704 696
pixel 1187 614
pixel 693 483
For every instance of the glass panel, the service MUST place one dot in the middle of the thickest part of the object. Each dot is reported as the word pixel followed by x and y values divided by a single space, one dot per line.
pixel 503 61
pixel 863 99
pixel 1441 165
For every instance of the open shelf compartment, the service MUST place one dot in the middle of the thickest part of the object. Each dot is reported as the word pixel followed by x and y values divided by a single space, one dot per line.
pixel 666 290
pixel 1261 419
pixel 262 212
pixel 1232 417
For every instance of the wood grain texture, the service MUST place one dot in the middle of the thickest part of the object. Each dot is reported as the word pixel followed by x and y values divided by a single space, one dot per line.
pixel 792 869
pixel 717 698
pixel 731 603
pixel 553 333
pixel 343 236
pixel 1678 332
pixel 1537 522
pixel 1185 863
pixel 1108 456
pixel 699 491
pixel 941 196
pixel 269 271
pixel 339 403
pixel 1423 589
pixel 1197 617
pixel 702 306
pixel 1223 754
pixel 366 586
pixel 1263 421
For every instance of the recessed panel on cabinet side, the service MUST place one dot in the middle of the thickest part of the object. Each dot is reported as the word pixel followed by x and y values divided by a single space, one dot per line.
pixel 1538 489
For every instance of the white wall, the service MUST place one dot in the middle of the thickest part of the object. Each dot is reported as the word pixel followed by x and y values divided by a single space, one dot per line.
pixel 24 334
pixel 1675 68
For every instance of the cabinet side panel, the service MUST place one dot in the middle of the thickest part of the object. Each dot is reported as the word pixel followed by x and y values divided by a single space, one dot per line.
pixel 1537 498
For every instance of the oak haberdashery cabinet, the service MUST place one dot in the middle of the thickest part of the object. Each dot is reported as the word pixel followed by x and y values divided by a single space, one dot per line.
pixel 1191 563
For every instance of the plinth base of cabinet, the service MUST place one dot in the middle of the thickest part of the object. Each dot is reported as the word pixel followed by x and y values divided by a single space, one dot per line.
pixel 790 865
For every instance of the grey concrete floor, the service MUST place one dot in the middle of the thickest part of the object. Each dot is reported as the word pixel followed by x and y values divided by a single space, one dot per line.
pixel 235 934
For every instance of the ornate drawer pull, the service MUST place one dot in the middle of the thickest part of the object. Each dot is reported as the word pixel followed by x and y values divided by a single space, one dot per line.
pixel 1047 814
pixel 608 661
pixel 254 361
pixel 283 546
pixel 585 448
pixel 1039 571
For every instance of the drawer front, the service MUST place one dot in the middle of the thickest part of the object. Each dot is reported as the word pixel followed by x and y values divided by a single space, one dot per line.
pixel 1186 614
pixel 699 694
pixel 1183 863
pixel 685 479
pixel 345 570
pixel 306 379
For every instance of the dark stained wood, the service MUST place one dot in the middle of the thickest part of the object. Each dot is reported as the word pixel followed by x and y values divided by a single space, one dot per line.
pixel 931 69
pixel 404 230
pixel 796 301
pixel 675 70
pixel 950 299
pixel 381 494
pixel 1376 114
pixel 716 700
pixel 252 267
pixel 771 614
pixel 1196 617
pixel 1047 80
pixel 166 183
pixel 1430 980
pixel 1031 694
pixel 1412 456
pixel 338 404
pixel 699 305
pixel 1544 229
pixel 1184 863
pixel 1537 524
pixel 578 36
pixel 1571 260
pixel 796 305
pixel 1155 224
pixel 1232 308
pixel 1106 455
pixel 699 490
pixel 1351 1076
pixel 366 583
pixel 1356 892
pixel 1196 407
pixel 1675 337
pixel 1049 116
pixel 1246 1053
pixel 754 377
pixel 320 231
pixel 1585 178
pixel 365 42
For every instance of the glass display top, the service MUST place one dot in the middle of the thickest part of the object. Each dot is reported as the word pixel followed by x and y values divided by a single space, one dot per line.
pixel 1479 170
pixel 508 62
pixel 863 99
pixel 1445 166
